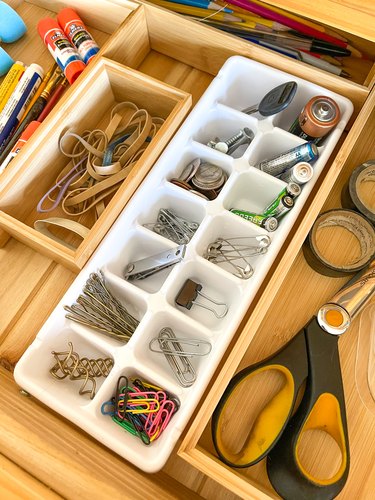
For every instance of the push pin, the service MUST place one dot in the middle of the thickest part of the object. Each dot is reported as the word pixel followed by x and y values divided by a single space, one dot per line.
pixel 189 293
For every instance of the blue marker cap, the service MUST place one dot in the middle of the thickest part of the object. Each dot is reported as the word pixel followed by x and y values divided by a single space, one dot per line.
pixel 6 62
pixel 11 25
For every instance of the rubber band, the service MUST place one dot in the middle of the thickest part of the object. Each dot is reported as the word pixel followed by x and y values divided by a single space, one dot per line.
pixel 100 160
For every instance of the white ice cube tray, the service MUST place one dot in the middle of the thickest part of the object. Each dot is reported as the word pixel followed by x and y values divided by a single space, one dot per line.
pixel 239 84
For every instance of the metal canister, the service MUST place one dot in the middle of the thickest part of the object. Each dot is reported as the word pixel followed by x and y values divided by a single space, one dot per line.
pixel 268 223
pixel 299 174
pixel 277 165
pixel 320 115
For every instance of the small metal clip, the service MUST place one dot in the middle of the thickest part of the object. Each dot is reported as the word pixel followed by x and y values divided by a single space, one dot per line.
pixel 177 357
pixel 189 293
pixel 143 268
pixel 236 252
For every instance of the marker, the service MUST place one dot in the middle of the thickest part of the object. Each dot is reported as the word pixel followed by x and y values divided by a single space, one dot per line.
pixel 10 82
pixel 16 105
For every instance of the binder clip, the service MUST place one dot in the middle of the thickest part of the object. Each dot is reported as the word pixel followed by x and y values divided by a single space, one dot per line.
pixel 189 293
pixel 143 268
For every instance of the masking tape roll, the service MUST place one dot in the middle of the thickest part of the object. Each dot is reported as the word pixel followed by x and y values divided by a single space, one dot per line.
pixel 351 196
pixel 356 224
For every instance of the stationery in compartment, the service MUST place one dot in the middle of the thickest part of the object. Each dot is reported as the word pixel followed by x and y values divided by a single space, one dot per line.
pixel 90 107
pixel 171 293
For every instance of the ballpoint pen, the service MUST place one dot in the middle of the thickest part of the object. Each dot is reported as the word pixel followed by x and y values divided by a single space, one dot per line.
pixel 195 11
pixel 307 58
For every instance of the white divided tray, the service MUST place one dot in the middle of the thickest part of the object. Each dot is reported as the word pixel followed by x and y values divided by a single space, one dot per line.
pixel 239 84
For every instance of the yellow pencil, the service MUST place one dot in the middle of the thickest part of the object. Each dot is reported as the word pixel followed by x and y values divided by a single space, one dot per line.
pixel 10 82
pixel 195 11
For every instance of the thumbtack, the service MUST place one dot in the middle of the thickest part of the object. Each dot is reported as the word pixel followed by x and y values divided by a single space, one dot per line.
pixel 189 293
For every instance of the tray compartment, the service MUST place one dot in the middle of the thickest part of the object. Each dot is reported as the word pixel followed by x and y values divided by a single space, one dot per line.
pixel 106 84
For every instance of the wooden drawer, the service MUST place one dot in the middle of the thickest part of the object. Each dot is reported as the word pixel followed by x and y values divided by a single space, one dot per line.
pixel 184 56
pixel 274 319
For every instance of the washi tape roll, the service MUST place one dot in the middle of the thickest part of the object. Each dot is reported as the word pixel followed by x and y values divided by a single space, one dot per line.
pixel 352 195
pixel 357 225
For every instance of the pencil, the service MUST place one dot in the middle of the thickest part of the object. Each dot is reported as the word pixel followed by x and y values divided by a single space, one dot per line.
pixel 203 4
pixel 60 89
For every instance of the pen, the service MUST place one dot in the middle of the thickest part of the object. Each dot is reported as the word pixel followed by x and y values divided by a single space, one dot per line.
pixel 307 58
pixel 202 4
pixel 194 11
pixel 257 8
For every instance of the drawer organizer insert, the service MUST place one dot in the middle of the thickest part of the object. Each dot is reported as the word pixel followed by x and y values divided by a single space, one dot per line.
pixel 149 40
pixel 152 300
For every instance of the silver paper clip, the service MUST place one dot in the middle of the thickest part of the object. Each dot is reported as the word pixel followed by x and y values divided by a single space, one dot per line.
pixel 236 252
pixel 143 268
pixel 177 357
pixel 188 294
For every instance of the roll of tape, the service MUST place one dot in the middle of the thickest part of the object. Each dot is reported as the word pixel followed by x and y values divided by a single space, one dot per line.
pixel 351 196
pixel 356 224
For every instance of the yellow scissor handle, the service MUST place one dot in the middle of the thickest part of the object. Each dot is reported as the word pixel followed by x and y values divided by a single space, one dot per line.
pixel 291 363
pixel 322 408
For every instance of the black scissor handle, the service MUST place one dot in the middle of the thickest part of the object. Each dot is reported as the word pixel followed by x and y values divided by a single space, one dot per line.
pixel 322 407
pixel 291 362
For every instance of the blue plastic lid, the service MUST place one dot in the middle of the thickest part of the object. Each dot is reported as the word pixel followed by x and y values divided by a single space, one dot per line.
pixel 6 62
pixel 12 26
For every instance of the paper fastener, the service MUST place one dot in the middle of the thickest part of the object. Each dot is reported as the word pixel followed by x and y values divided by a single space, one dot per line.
pixel 189 293
pixel 143 268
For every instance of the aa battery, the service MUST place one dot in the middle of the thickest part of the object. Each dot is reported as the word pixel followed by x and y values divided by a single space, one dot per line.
pixel 320 115
pixel 277 165
pixel 268 223
pixel 279 207
pixel 299 174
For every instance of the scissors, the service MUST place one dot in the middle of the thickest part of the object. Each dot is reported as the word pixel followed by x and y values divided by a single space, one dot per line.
pixel 311 356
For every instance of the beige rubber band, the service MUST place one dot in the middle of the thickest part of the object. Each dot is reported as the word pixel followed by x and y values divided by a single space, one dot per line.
pixel 70 225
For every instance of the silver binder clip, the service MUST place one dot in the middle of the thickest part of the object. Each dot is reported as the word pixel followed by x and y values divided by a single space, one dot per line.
pixel 143 268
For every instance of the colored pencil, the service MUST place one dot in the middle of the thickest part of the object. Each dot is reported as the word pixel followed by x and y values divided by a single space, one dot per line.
pixel 296 25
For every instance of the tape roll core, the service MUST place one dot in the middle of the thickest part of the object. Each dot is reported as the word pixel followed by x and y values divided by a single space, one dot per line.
pixel 356 224
pixel 351 194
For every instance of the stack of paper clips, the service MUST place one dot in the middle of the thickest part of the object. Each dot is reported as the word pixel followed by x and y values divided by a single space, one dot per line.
pixel 140 408
pixel 177 357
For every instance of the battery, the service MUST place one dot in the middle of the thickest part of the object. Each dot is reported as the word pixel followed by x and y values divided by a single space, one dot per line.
pixel 292 189
pixel 319 116
pixel 299 174
pixel 277 165
pixel 279 207
pixel 268 223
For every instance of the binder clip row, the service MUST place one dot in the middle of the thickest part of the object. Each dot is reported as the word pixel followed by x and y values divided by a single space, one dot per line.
pixel 187 297
pixel 234 254
pixel 178 358
pixel 172 226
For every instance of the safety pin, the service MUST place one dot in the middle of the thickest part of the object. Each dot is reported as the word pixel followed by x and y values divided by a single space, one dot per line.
pixel 143 268
pixel 188 294
pixel 233 251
